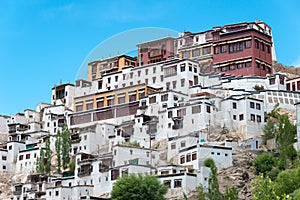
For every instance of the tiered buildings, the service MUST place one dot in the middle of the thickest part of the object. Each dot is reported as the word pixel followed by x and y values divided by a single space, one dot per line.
pixel 156 113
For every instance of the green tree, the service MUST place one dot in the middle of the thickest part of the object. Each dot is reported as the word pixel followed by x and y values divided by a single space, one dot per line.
pixel 48 157
pixel 274 113
pixel 264 163
pixel 201 194
pixel 231 193
pixel 72 165
pixel 264 189
pixel 66 146
pixel 137 187
pixel 58 143
pixel 284 139
pixel 213 185
pixel 296 194
pixel 62 147
pixel 269 131
pixel 40 165
pixel 287 181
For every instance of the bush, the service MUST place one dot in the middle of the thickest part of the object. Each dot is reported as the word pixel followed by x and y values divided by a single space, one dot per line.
pixel 264 163
pixel 287 181
pixel 136 187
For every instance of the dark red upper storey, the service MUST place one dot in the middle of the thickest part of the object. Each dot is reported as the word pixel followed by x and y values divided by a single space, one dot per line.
pixel 243 49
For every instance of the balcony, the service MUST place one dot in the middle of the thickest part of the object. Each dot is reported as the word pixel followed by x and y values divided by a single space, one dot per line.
pixel 12 130
pixel 152 130
pixel 177 126
pixel 142 107
pixel 17 192
pixel 85 173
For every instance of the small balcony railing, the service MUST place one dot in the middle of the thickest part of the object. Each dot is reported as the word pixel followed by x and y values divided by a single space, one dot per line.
pixel 17 192
pixel 85 173
pixel 177 126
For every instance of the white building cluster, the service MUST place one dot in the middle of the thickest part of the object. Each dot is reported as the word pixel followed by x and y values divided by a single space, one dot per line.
pixel 159 118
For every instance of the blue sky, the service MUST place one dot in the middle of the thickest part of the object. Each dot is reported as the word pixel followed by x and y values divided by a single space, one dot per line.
pixel 43 42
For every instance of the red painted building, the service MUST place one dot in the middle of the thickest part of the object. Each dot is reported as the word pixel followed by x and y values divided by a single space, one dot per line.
pixel 243 49
pixel 155 51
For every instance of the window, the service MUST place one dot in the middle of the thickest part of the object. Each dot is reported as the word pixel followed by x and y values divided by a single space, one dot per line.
pixel 100 104
pixel 196 52
pixel 177 183
pixel 217 50
pixel 258 106
pixel 234 117
pixel 251 104
pixel 146 81
pixel 168 85
pixel 3 157
pixel 56 193
pixel 224 69
pixel 196 109
pixel 170 71
pixel 153 79
pixel 248 64
pixel 89 106
pixel 195 69
pixel 194 156
pixel 186 54
pixel 78 109
pixel 248 44
pixel 170 114
pixel 10 147
pixel 268 48
pixel 27 156
pixel 232 67
pixel 272 81
pixel 182 81
pixel 188 157
pixel 164 97
pixel 167 183
pixel 241 117
pixel 240 65
pixel 20 157
pixel 258 118
pixel 4 167
pixel 182 159
pixel 116 78
pixel 234 105
pixel 108 80
pixel 252 117
pixel 154 70
pixel 262 46
pixel 173 145
pixel 190 67
pixel 161 78
pixel 174 84
pixel 182 67
pixel 147 70
pixel 181 112
pixel 256 44
pixel 208 109
pixel 182 144
pixel 205 50
pixel 257 65
pixel 152 99
pixel 139 73
pixel 235 47
pixel 223 48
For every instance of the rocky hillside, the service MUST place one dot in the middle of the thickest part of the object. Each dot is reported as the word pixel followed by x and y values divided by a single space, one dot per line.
pixel 290 71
